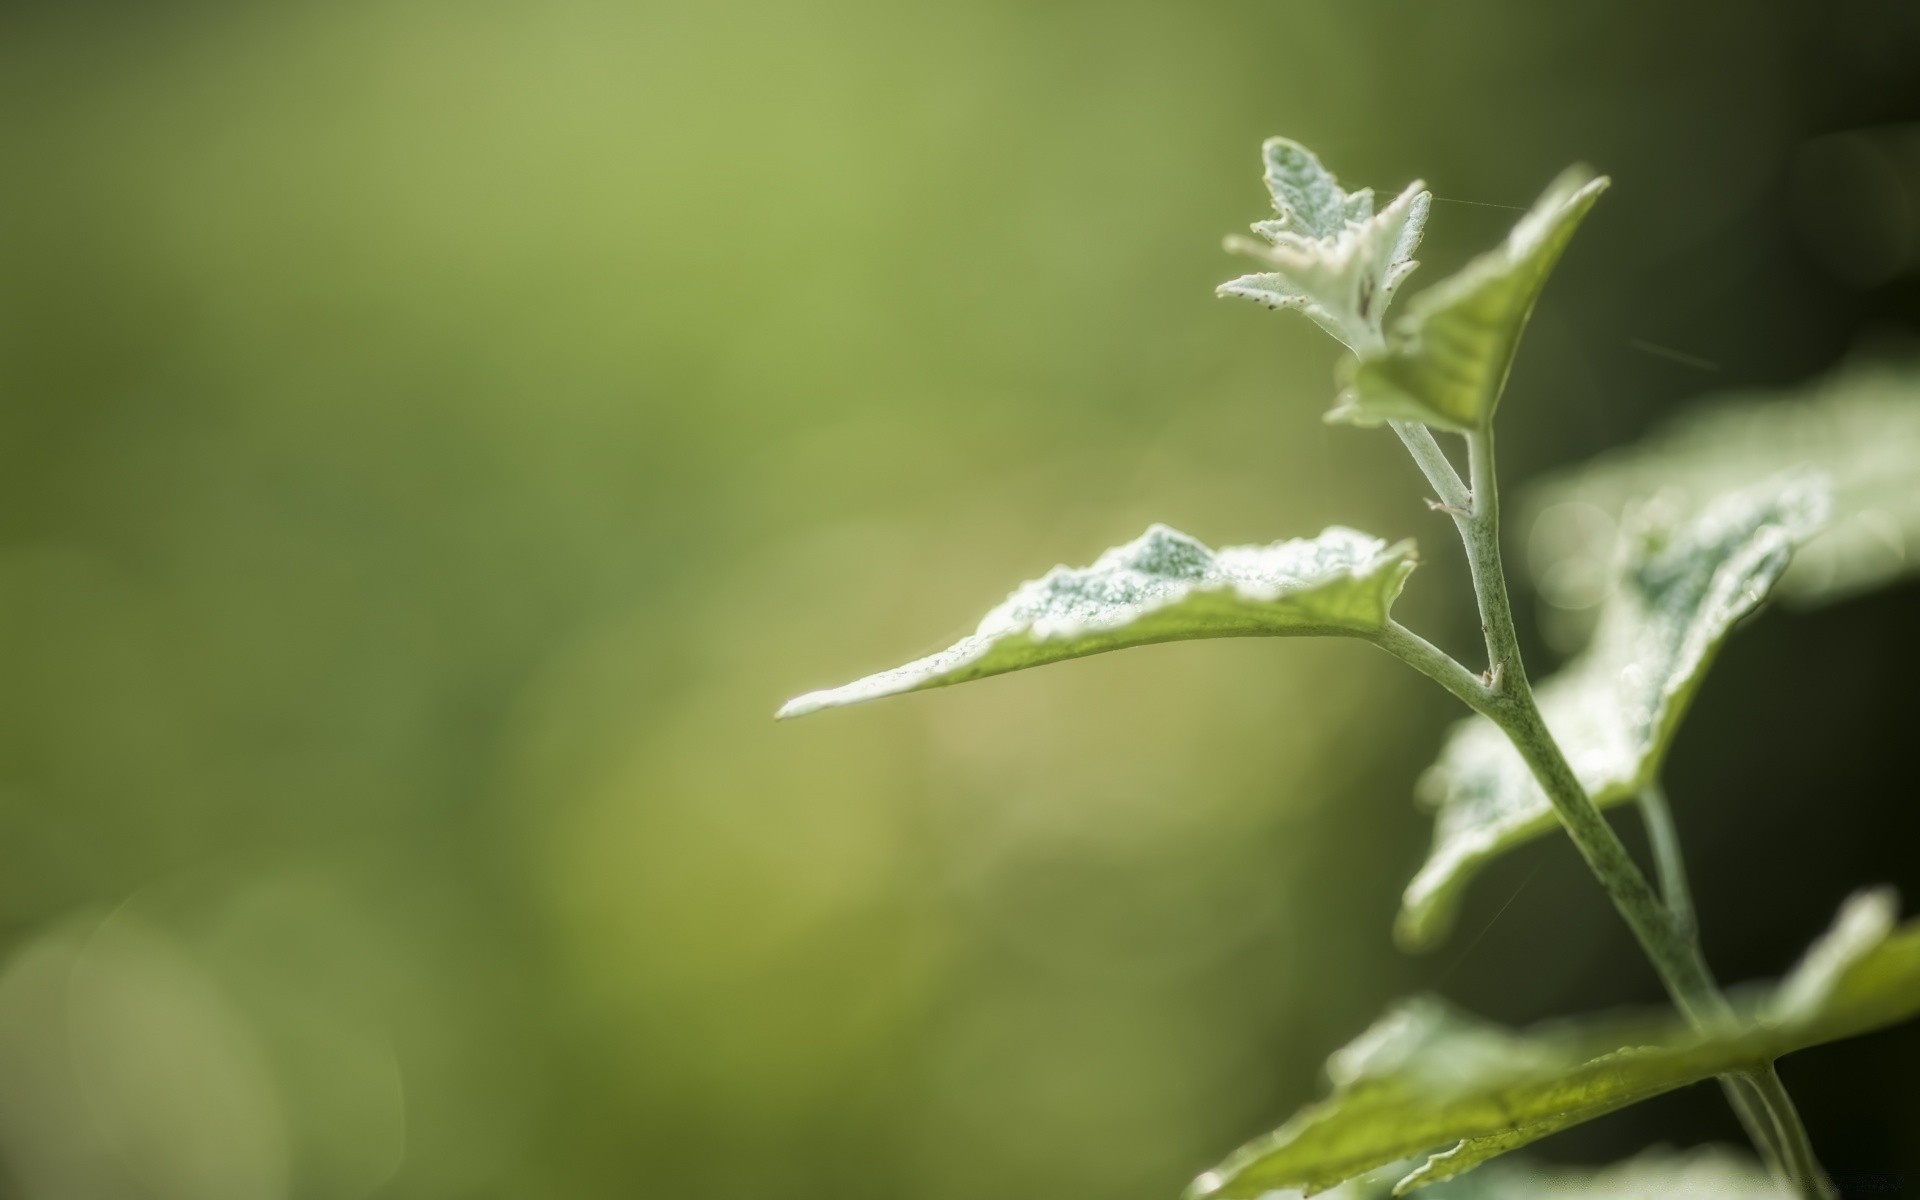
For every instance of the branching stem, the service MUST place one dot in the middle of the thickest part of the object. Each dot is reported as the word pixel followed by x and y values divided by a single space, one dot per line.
pixel 1434 464
pixel 1504 697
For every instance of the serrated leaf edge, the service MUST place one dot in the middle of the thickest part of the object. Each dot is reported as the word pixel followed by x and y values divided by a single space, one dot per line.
pixel 1562 206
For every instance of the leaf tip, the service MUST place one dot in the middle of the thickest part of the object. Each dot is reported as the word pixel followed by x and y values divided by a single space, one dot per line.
pixel 1205 1187
pixel 1235 243
pixel 1573 192
pixel 1866 919
pixel 1415 929
pixel 1347 410
pixel 799 706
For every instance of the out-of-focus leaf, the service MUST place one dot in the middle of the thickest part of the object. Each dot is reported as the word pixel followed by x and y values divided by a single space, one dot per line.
pixel 1615 709
pixel 1332 256
pixel 1706 1173
pixel 1860 426
pixel 1447 359
pixel 1161 587
pixel 1426 1076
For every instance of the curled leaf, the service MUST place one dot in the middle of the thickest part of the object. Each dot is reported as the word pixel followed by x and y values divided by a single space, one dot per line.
pixel 1447 359
pixel 1330 255
pixel 1161 587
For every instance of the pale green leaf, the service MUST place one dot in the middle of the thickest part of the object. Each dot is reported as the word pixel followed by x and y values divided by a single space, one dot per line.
pixel 1163 586
pixel 1615 709
pixel 1859 426
pixel 1328 253
pixel 1308 201
pixel 1447 359
pixel 1427 1077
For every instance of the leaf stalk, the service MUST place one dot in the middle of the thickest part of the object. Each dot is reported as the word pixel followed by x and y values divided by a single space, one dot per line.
pixel 1448 488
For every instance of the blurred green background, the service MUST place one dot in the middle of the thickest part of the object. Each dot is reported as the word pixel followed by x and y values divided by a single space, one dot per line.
pixel 435 436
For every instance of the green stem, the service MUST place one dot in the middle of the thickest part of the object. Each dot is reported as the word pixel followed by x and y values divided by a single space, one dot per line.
pixel 1673 954
pixel 1668 863
pixel 1450 492
pixel 1480 534
pixel 1676 957
pixel 1745 1092
pixel 1436 664
pixel 1504 697
pixel 1796 1148
pixel 1789 1153
pixel 1767 1115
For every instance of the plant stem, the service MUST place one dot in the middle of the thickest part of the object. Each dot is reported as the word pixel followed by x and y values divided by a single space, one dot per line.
pixel 1748 1094
pixel 1504 697
pixel 1669 864
pixel 1434 464
pixel 1480 534
pixel 1766 1112
pixel 1795 1147
pixel 1436 664
pixel 1676 956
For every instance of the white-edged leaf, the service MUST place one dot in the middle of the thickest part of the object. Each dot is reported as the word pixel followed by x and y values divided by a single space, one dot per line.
pixel 1615 709
pixel 1163 586
pixel 1447 359
pixel 1328 253
pixel 1860 426
pixel 1430 1078
pixel 1308 202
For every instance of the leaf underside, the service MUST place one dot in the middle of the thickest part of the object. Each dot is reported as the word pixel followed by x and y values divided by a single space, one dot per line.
pixel 1448 357
pixel 1163 586
pixel 1614 710
pixel 1860 426
pixel 1327 252
pixel 1426 1076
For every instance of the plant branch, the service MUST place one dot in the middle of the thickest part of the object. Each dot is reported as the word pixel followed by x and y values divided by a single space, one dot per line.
pixel 1504 697
pixel 1480 534
pixel 1796 1149
pixel 1447 487
pixel 1766 1112
pixel 1668 862
pixel 1789 1153
pixel 1436 664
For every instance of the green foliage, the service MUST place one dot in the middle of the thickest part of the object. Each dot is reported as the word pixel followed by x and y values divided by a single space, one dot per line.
pixel 1332 256
pixel 1447 359
pixel 1161 587
pixel 1425 1075
pixel 1859 426
pixel 1684 573
pixel 435 433
pixel 1678 591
